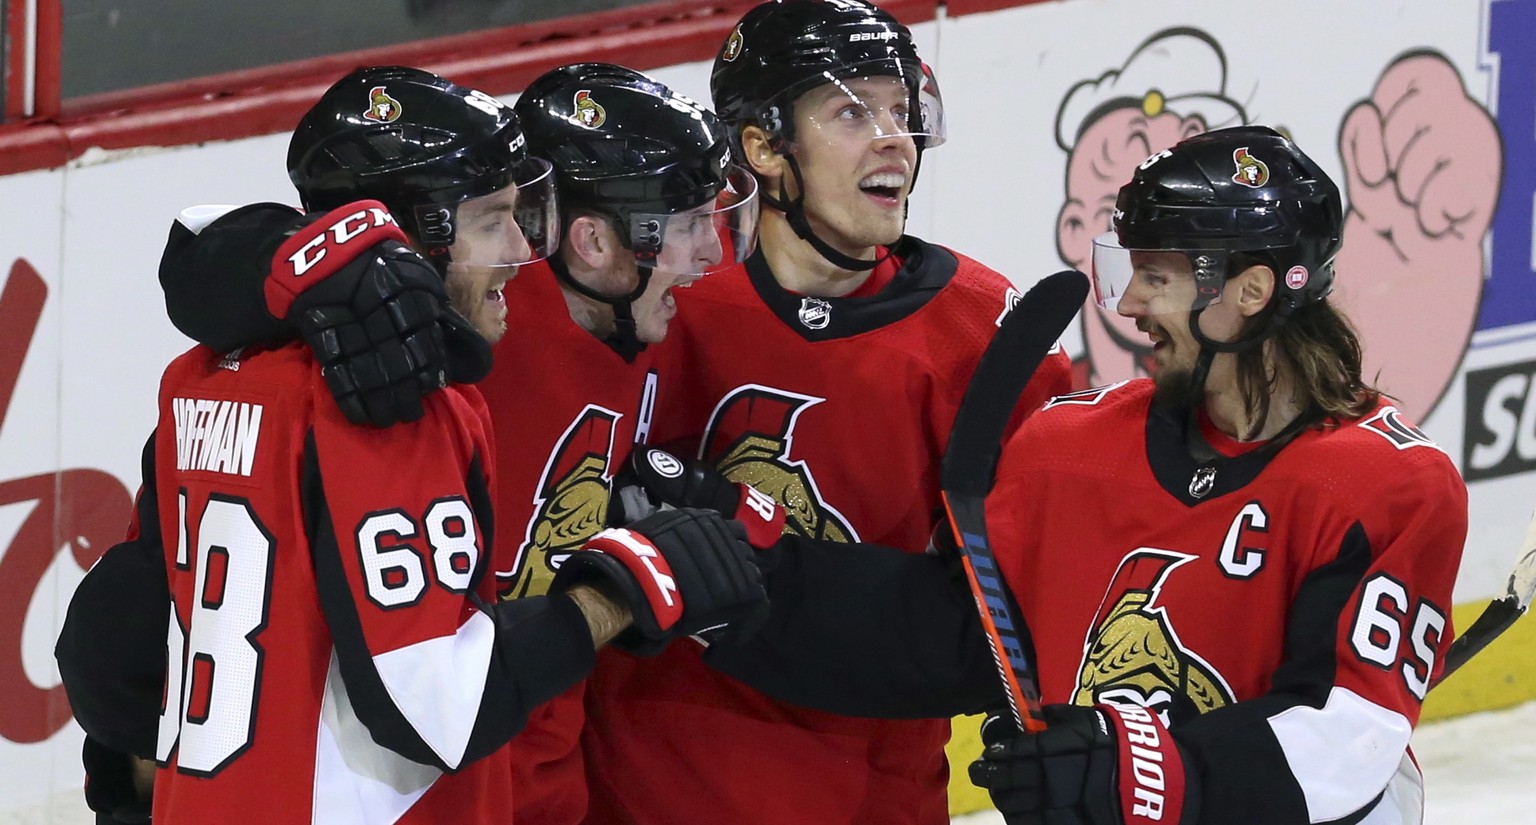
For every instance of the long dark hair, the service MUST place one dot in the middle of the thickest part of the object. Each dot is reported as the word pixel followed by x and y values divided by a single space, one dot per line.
pixel 1319 348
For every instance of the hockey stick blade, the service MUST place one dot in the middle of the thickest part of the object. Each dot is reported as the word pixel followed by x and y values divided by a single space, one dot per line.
pixel 1023 340
pixel 1501 613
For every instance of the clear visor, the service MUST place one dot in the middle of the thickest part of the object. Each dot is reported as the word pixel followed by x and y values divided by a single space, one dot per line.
pixel 512 226
pixel 710 237
pixel 871 104
pixel 1161 281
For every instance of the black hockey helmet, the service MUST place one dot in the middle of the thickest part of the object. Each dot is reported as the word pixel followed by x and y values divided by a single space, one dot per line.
pixel 627 146
pixel 1246 190
pixel 655 163
pixel 784 48
pixel 421 145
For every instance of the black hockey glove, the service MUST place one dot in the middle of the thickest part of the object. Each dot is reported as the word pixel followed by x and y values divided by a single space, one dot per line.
pixel 655 478
pixel 374 312
pixel 1104 765
pixel 109 788
pixel 681 572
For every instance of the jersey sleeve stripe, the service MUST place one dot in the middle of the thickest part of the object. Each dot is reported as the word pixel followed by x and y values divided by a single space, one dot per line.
pixel 1342 754
pixel 434 682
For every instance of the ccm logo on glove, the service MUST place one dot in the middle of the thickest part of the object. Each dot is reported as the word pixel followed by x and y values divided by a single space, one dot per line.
pixel 324 246
pixel 643 561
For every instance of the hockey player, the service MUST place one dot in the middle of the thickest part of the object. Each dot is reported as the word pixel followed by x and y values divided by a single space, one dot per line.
pixel 630 157
pixel 910 345
pixel 1245 628
pixel 336 644
pixel 825 372
pixel 650 203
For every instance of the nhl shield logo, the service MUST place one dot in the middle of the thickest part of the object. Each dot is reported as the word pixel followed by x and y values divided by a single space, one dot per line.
pixel 815 313
pixel 1203 481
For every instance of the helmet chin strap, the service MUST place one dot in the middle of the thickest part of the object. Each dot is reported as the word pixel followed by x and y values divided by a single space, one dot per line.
pixel 794 212
pixel 625 339
pixel 1209 348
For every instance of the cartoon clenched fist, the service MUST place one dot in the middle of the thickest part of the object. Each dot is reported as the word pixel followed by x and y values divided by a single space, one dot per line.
pixel 1422 163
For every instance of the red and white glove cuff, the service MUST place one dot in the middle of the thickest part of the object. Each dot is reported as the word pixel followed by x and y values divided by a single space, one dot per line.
pixel 1151 769
pixel 323 246
pixel 761 515
pixel 649 569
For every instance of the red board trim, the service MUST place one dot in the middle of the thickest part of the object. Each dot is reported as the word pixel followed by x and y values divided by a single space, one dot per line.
pixel 271 99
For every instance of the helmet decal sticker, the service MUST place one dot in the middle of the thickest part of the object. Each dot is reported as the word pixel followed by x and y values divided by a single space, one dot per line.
pixel 732 46
pixel 588 112
pixel 381 107
pixel 1296 277
pixel 1251 171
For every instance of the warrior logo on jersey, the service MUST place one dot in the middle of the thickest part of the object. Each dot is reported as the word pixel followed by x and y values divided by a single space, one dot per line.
pixel 571 504
pixel 381 107
pixel 750 437
pixel 815 313
pixel 1132 654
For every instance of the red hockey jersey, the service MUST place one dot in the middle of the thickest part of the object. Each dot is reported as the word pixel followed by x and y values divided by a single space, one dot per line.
pixel 1284 610
pixel 566 410
pixel 331 659
pixel 839 408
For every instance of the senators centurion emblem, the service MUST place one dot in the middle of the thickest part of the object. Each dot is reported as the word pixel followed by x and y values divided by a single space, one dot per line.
pixel 570 504
pixel 588 112
pixel 1133 655
pixel 381 107
pixel 1251 172
pixel 732 46
pixel 749 437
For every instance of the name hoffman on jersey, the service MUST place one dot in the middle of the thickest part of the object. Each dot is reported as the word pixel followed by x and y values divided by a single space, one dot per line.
pixel 216 436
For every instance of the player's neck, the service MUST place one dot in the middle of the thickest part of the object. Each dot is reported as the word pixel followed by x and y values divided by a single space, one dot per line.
pixel 593 316
pixel 799 268
pixel 1229 412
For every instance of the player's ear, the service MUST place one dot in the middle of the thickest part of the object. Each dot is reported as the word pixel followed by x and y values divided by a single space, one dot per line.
pixel 1254 286
pixel 758 149
pixel 591 240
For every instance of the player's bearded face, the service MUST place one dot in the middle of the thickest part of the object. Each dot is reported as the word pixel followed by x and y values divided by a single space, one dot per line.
pixel 1160 299
pixel 856 163
pixel 488 247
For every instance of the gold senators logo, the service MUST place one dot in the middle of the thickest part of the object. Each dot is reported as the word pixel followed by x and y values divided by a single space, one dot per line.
pixel 733 46
pixel 588 112
pixel 749 439
pixel 571 503
pixel 1251 171
pixel 1133 654
pixel 381 107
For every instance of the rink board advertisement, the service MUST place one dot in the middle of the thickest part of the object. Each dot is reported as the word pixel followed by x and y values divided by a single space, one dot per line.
pixel 1424 113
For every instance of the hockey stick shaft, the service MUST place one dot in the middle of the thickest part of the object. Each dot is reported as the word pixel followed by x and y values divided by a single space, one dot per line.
pixel 1501 613
pixel 1023 341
